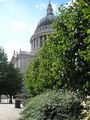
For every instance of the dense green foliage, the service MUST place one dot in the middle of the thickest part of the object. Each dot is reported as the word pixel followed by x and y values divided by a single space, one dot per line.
pixel 64 60
pixel 72 40
pixel 31 77
pixel 53 105
pixel 62 63
pixel 3 69
pixel 14 80
pixel 10 77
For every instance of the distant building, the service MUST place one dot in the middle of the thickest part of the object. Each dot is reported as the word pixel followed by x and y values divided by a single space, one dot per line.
pixel 22 59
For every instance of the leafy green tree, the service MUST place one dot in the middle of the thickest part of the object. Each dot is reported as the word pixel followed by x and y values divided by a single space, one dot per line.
pixel 13 81
pixel 64 60
pixel 3 67
pixel 31 76
pixel 72 26
pixel 10 77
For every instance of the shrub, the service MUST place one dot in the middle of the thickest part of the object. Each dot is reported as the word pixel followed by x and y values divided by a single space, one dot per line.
pixel 53 105
pixel 86 110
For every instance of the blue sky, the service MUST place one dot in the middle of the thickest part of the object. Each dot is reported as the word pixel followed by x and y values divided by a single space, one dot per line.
pixel 18 20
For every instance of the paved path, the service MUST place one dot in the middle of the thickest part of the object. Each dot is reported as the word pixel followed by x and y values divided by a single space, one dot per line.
pixel 9 112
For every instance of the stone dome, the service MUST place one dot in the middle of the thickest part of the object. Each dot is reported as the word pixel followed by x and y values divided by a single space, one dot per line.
pixel 49 19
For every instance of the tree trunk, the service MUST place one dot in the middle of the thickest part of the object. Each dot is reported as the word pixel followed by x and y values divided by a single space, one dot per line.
pixel 0 98
pixel 10 101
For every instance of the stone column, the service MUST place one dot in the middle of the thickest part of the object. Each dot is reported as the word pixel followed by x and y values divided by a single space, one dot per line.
pixel 34 44
pixel 38 42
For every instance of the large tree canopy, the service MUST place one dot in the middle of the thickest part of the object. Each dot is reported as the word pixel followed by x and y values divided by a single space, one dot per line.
pixel 64 60
pixel 73 45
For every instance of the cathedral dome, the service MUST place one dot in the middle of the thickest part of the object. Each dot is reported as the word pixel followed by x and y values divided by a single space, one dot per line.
pixel 43 28
pixel 49 19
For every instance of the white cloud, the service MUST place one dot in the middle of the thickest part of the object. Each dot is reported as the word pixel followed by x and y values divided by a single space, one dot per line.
pixel 41 6
pixel 16 45
pixel 55 7
pixel 3 1
pixel 18 26
pixel 10 46
pixel 33 28
pixel 16 41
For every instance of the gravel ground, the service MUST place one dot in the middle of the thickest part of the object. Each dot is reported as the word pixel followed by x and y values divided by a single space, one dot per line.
pixel 9 112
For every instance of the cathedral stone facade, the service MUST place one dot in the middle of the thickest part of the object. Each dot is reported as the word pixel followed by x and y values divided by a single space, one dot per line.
pixel 23 58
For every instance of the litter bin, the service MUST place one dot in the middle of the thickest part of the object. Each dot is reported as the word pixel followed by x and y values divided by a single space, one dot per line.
pixel 17 103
